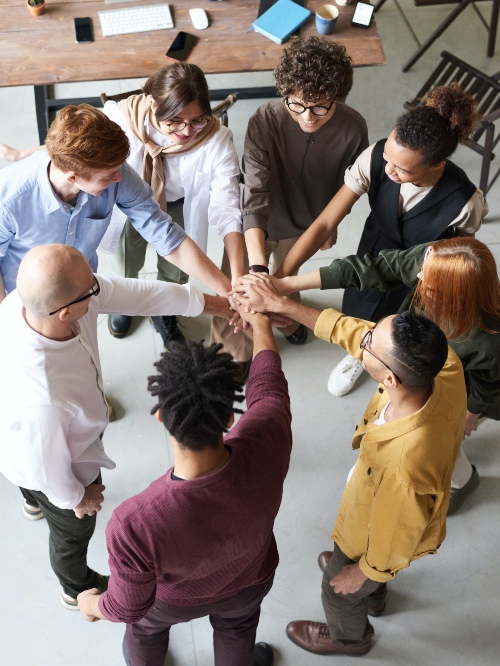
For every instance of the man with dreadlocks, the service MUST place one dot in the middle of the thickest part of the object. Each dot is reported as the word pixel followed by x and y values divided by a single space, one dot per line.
pixel 199 541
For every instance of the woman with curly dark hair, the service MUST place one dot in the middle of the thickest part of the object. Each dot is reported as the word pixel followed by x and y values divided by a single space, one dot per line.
pixel 416 196
pixel 296 152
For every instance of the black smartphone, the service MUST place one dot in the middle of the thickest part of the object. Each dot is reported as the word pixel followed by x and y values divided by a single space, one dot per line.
pixel 363 15
pixel 182 46
pixel 83 30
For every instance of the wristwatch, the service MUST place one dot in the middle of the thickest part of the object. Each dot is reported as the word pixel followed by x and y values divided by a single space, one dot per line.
pixel 257 268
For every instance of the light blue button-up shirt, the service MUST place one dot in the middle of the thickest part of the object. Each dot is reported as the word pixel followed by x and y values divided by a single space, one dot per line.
pixel 31 214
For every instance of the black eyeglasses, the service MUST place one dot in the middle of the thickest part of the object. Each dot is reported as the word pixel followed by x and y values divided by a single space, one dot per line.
pixel 196 124
pixel 316 109
pixel 366 341
pixel 93 292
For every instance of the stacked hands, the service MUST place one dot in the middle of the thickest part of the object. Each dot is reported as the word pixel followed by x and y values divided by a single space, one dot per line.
pixel 257 293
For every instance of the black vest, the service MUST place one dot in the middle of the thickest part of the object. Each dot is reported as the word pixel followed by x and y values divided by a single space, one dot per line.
pixel 384 230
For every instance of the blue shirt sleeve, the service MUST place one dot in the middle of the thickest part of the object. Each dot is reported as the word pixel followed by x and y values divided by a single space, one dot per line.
pixel 135 198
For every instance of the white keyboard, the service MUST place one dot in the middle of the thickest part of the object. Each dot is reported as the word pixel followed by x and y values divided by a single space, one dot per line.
pixel 135 19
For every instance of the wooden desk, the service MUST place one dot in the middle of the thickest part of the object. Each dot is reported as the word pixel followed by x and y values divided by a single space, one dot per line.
pixel 42 51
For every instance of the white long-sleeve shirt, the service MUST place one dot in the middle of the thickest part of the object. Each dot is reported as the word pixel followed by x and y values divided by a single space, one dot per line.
pixel 52 406
pixel 207 178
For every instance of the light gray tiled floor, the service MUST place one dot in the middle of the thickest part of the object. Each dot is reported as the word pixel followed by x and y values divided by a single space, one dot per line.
pixel 444 610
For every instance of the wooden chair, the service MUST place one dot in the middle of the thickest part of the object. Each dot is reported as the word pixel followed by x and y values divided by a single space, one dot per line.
pixel 486 92
pixel 220 110
pixel 491 27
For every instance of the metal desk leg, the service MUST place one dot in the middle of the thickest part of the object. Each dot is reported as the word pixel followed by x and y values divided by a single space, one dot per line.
pixel 378 5
pixel 493 28
pixel 437 33
pixel 42 113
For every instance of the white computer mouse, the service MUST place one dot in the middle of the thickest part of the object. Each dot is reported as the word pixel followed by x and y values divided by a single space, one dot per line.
pixel 199 18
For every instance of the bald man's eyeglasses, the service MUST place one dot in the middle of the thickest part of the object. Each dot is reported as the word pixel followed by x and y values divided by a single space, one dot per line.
pixel 93 292
pixel 366 343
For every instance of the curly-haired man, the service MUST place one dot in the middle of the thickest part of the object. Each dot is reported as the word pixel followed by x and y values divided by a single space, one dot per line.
pixel 296 152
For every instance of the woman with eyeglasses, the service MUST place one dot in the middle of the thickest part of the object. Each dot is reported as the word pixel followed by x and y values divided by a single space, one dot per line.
pixel 296 151
pixel 455 283
pixel 416 195
pixel 189 160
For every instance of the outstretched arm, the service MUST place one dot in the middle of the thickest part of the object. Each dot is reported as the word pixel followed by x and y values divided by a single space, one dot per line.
pixel 15 154
pixel 188 257
pixel 319 232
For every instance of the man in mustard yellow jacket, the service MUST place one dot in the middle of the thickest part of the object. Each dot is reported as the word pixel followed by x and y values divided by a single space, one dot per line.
pixel 394 506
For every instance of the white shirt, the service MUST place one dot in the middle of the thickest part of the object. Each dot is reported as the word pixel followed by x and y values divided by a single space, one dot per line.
pixel 207 178
pixel 357 179
pixel 52 406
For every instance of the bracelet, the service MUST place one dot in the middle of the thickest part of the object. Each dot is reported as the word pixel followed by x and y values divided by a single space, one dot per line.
pixel 257 268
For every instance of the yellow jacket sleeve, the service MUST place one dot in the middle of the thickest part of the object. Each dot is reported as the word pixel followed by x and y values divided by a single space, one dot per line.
pixel 347 332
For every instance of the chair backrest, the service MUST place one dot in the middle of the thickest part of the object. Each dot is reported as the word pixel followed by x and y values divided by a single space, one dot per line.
pixel 484 89
pixel 220 110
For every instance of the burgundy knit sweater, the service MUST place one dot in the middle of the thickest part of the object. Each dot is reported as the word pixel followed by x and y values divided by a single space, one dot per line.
pixel 193 542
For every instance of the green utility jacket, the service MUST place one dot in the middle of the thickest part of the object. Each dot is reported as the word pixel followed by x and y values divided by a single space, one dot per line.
pixel 479 351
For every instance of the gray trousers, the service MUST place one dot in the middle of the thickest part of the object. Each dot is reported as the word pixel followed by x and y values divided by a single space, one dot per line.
pixel 347 614
pixel 131 253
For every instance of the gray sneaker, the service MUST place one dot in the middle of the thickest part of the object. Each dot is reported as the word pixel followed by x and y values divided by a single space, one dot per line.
pixel 31 512
pixel 459 495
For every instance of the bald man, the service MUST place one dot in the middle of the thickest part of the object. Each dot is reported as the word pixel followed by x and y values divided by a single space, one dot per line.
pixel 52 407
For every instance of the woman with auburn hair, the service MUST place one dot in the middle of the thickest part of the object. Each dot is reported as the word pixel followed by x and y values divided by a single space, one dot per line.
pixel 416 194
pixel 455 283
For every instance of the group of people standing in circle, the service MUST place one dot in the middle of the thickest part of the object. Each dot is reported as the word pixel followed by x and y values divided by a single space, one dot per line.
pixel 306 162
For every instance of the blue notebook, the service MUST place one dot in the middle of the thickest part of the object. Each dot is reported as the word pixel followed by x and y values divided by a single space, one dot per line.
pixel 283 18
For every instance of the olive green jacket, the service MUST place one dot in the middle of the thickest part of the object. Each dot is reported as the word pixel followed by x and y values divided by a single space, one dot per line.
pixel 394 506
pixel 479 351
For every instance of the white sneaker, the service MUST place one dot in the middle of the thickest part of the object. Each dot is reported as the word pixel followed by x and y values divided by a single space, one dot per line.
pixel 344 375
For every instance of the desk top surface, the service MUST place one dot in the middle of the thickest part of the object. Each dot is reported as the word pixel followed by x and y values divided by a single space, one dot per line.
pixel 42 50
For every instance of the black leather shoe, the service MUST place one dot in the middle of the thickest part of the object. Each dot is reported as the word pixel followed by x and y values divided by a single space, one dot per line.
pixel 299 337
pixel 167 328
pixel 263 655
pixel 119 325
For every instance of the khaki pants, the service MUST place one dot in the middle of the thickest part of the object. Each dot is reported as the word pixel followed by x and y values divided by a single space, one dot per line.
pixel 131 253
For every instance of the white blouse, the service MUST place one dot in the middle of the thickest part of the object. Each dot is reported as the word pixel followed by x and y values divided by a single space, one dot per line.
pixel 207 178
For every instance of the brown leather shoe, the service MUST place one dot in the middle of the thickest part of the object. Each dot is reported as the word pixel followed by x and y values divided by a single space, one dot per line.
pixel 375 606
pixel 315 637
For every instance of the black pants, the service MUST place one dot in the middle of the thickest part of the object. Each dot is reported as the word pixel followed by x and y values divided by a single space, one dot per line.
pixel 68 543
pixel 234 621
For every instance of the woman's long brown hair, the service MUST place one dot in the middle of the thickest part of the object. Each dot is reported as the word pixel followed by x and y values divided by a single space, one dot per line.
pixel 459 286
